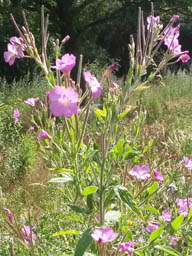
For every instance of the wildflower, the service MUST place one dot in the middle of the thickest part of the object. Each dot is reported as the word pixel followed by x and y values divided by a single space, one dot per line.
pixel 185 57
pixel 174 240
pixel 66 63
pixel 184 205
pixel 166 215
pixel 43 135
pixel 152 226
pixel 127 247
pixel 171 39
pixel 31 101
pixel 188 163
pixel 28 235
pixel 15 49
pixel 16 115
pixel 65 39
pixel 157 176
pixel 63 101
pixel 154 21
pixel 115 85
pixel 174 18
pixel 9 214
pixel 104 235
pixel 19 44
pixel 141 172
pixel 95 86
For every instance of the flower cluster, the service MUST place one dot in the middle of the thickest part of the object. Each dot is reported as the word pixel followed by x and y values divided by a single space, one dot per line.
pixel 15 49
pixel 27 233
pixel 142 172
pixel 184 205
pixel 127 247
pixel 172 43
pixel 106 234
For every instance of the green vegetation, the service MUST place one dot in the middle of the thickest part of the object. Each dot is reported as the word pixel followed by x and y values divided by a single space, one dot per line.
pixel 25 175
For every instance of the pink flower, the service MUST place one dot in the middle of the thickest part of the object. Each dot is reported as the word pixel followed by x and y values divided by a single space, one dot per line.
pixel 95 86
pixel 188 163
pixel 155 22
pixel 43 135
pixel 174 240
pixel 166 215
pixel 127 247
pixel 157 176
pixel 185 57
pixel 15 49
pixel 65 39
pixel 175 18
pixel 104 235
pixel 66 63
pixel 16 115
pixel 63 101
pixel 9 214
pixel 28 235
pixel 152 226
pixel 31 101
pixel 11 54
pixel 19 44
pixel 116 86
pixel 184 205
pixel 140 172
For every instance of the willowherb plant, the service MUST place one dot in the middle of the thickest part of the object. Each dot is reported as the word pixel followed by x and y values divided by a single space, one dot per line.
pixel 102 172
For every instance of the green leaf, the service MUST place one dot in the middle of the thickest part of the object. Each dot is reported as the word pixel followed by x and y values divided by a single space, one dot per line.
pixel 73 218
pixel 76 208
pixel 141 88
pixel 66 232
pixel 119 148
pixel 83 242
pixel 100 114
pixel 89 190
pixel 61 170
pixel 124 113
pixel 127 199
pixel 139 69
pixel 64 255
pixel 167 249
pixel 67 178
pixel 152 188
pixel 90 202
pixel 176 223
pixel 151 209
pixel 151 77
pixel 190 214
pixel 155 234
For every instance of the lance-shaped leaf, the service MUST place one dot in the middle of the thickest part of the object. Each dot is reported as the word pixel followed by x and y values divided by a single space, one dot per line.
pixel 167 249
pixel 176 223
pixel 84 242
pixel 127 199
